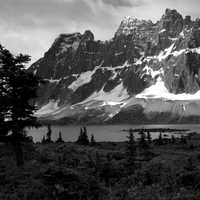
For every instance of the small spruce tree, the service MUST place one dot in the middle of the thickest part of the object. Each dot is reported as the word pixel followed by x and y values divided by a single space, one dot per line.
pixel 83 137
pixel 131 153
pixel 149 137
pixel 144 147
pixel 142 142
pixel 60 140
pixel 49 132
pixel 80 136
pixel 160 139
pixel 173 139
pixel 92 140
pixel 43 140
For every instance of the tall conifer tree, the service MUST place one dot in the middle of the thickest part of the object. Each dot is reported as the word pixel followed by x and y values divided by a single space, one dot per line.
pixel 18 88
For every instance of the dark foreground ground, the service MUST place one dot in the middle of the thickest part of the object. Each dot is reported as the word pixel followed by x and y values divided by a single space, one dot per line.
pixel 69 171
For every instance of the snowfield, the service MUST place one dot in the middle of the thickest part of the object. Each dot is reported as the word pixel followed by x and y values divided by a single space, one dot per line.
pixel 49 108
pixel 115 97
pixel 159 91
pixel 84 78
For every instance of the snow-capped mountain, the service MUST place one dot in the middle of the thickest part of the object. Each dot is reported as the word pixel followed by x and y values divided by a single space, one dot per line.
pixel 148 72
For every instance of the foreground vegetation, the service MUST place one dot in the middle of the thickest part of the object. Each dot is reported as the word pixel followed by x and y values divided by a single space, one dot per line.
pixel 131 170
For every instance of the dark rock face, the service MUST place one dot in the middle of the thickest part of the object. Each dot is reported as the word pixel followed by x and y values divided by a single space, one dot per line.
pixel 133 114
pixel 78 69
pixel 172 22
pixel 70 54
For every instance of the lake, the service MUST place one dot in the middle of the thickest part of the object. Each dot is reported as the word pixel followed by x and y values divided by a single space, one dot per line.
pixel 101 133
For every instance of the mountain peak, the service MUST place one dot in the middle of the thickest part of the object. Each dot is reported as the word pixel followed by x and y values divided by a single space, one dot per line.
pixel 88 35
pixel 172 22
pixel 130 24
pixel 169 11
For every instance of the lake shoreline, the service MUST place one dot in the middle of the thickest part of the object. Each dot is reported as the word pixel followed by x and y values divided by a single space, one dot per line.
pixel 111 133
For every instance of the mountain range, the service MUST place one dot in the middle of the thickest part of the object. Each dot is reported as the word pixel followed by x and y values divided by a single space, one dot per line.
pixel 147 73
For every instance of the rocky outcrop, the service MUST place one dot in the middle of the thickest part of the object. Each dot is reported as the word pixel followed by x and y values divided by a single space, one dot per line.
pixel 94 79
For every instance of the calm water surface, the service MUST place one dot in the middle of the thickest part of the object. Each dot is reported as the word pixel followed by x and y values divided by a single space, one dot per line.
pixel 103 132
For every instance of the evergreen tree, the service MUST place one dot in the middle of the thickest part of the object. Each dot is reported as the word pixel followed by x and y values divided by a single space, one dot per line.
pixel 80 136
pixel 173 140
pixel 149 137
pixel 142 142
pixel 131 153
pixel 160 139
pixel 60 140
pixel 18 88
pixel 92 140
pixel 43 140
pixel 49 132
pixel 144 147
pixel 85 130
pixel 83 137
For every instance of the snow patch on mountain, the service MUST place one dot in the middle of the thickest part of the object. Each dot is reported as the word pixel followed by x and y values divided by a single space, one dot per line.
pixel 159 91
pixel 161 56
pixel 167 52
pixel 164 54
pixel 83 78
pixel 49 108
pixel 64 47
pixel 162 31
pixel 153 73
pixel 187 50
pixel 52 80
pixel 86 77
pixel 182 34
pixel 195 50
pixel 117 96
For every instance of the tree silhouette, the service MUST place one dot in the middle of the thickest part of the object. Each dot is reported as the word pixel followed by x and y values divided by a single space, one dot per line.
pixel 49 132
pixel 160 139
pixel 18 88
pixel 142 141
pixel 80 136
pixel 92 140
pixel 149 137
pixel 83 137
pixel 173 139
pixel 131 153
pixel 60 140
pixel 43 140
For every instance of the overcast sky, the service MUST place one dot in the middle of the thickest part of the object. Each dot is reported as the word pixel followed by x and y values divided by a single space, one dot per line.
pixel 30 26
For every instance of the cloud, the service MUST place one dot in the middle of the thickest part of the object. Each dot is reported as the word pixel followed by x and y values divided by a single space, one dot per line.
pixel 123 3
pixel 54 15
pixel 30 26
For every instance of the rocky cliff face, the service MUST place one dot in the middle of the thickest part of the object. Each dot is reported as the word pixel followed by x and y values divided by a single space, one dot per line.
pixel 146 70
